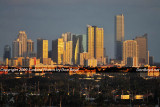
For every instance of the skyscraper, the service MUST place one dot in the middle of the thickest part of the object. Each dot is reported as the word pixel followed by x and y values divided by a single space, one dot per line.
pixel 74 42
pixel 16 48
pixel 77 52
pixel 72 48
pixel 68 53
pixel 84 42
pixel 66 36
pixel 119 36
pixel 42 49
pixel 55 50
pixel 58 50
pixel 95 46
pixel 30 46
pixel 20 45
pixel 68 44
pixel 130 56
pixel 151 60
pixel 23 39
pixel 90 43
pixel 99 46
pixel 83 58
pixel 39 47
pixel 78 49
pixel 7 52
pixel 142 43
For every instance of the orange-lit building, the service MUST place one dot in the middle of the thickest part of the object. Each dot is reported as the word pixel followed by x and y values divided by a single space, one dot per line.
pixel 130 56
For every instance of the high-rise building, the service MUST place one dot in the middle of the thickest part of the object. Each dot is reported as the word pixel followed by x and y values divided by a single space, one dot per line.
pixel 55 50
pixel 74 41
pixel 90 43
pixel 83 58
pixel 68 44
pixel 151 60
pixel 7 52
pixel 72 48
pixel 77 52
pixel 39 48
pixel 78 49
pixel 142 43
pixel 20 45
pixel 58 51
pixel 22 36
pixel 66 36
pixel 119 36
pixel 42 49
pixel 50 54
pixel 30 46
pixel 84 42
pixel 95 46
pixel 99 46
pixel 68 53
pixel 16 48
pixel 130 56
pixel 80 39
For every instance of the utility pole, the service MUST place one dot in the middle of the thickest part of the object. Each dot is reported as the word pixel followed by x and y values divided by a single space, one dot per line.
pixel 25 87
pixel 38 88
pixel 49 89
pixel 68 88
pixel 35 87
pixel 60 105
pixel 1 91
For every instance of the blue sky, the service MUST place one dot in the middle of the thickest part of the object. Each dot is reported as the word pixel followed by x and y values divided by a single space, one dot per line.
pixel 50 18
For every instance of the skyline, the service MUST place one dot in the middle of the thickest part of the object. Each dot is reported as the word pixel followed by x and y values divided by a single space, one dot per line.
pixel 37 25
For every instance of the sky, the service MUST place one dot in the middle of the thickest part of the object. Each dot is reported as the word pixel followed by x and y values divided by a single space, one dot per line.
pixel 48 19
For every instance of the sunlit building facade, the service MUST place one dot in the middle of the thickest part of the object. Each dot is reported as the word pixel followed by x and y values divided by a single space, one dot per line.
pixel 68 53
pixel 68 48
pixel 30 62
pixel 95 44
pixel 119 36
pixel 78 49
pixel 23 39
pixel 73 46
pixel 83 58
pixel 92 62
pixel 66 36
pixel 130 55
pixel 42 49
pixel 20 45
pixel 99 45
pixel 90 43
pixel 60 50
pixel 142 43
pixel 77 52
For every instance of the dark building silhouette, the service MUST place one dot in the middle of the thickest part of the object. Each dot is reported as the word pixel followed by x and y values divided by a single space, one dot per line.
pixel 7 52
pixel 151 60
